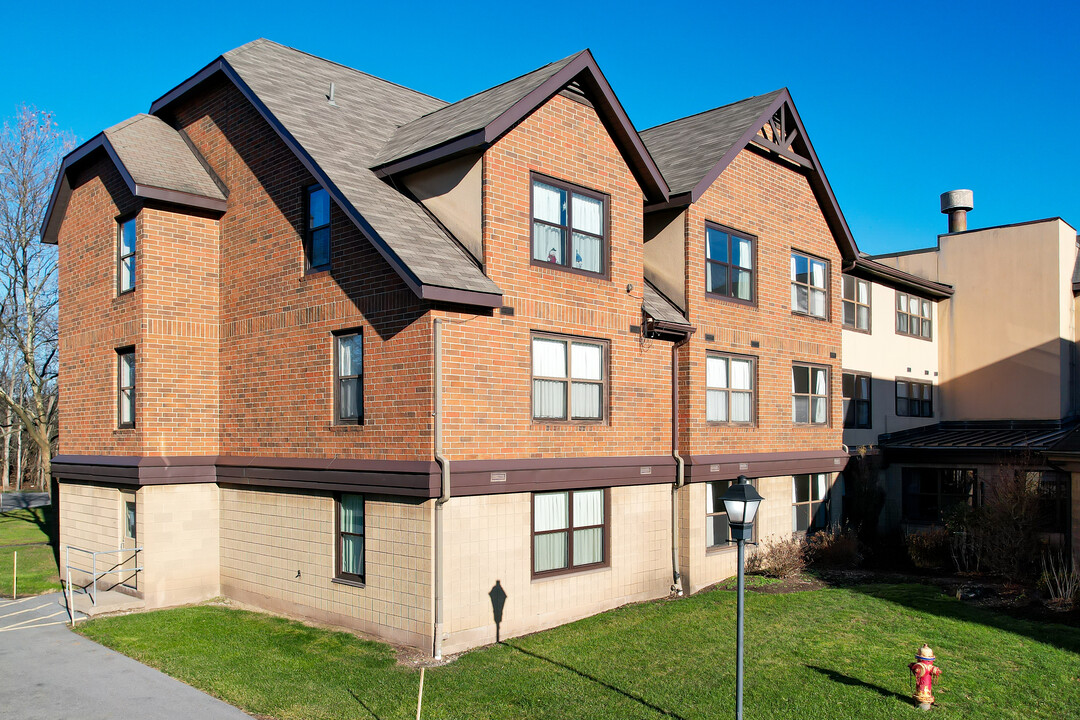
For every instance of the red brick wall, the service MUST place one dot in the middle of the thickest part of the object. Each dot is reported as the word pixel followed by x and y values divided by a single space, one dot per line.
pixel 93 321
pixel 488 374
pixel 776 205
pixel 276 322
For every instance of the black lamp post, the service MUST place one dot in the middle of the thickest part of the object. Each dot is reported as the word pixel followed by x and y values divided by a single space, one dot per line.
pixel 741 501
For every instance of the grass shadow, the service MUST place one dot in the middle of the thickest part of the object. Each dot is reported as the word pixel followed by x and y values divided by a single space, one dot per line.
pixel 582 674
pixel 932 600
pixel 855 682
pixel 363 704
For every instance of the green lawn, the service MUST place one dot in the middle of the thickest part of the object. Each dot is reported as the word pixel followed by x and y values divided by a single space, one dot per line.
pixel 23 526
pixel 837 653
pixel 23 531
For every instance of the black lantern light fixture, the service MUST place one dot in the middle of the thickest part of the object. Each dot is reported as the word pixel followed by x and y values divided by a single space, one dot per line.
pixel 741 502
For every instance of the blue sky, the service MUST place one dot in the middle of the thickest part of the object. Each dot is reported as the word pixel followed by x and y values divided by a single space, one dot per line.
pixel 902 102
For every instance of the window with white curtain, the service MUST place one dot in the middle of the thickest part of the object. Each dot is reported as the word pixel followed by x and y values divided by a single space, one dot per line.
pixel 809 510
pixel 729 263
pixel 125 382
pixel 809 395
pixel 569 530
pixel 914 316
pixel 568 225
pixel 729 388
pixel 809 286
pixel 568 379
pixel 350 531
pixel 856 303
pixel 349 377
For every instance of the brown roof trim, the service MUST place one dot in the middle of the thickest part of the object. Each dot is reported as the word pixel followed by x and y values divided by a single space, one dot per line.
pixel 585 70
pixel 58 200
pixel 435 293
pixel 221 65
pixel 703 468
pixel 868 269
pixel 819 183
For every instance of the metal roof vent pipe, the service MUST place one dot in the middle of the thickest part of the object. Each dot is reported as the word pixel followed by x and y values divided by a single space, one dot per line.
pixel 956 204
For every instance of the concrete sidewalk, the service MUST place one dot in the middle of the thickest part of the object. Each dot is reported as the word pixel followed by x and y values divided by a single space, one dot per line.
pixel 48 672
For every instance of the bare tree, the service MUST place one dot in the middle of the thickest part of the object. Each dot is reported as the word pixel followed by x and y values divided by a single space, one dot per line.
pixel 31 148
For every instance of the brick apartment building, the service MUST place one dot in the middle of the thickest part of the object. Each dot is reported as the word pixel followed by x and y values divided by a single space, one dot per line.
pixel 338 349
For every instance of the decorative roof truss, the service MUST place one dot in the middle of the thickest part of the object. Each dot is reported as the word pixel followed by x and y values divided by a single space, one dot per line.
pixel 781 136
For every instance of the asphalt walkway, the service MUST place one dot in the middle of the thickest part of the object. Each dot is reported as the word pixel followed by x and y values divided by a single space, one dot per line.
pixel 49 672
pixel 11 501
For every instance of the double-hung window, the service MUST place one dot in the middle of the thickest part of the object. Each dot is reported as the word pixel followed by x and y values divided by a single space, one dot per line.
pixel 808 509
pixel 914 399
pixel 856 303
pixel 568 226
pixel 569 379
pixel 569 530
pixel 729 264
pixel 350 532
pixel 349 378
pixel 125 256
pixel 809 394
pixel 125 381
pixel 729 387
pixel 809 286
pixel 914 316
pixel 317 228
pixel 717 528
pixel 856 400
pixel 929 493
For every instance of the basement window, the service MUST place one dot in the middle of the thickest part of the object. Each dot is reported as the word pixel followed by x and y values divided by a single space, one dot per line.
pixel 570 530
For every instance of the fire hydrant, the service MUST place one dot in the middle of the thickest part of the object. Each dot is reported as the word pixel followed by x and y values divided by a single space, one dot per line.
pixel 924 671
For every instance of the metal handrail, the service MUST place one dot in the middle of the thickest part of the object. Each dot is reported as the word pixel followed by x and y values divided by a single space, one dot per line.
pixel 94 572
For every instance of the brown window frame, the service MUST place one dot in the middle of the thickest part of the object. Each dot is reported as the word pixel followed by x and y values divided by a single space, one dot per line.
pixel 911 384
pixel 121 223
pixel 855 304
pixel 709 262
pixel 569 530
pixel 605 239
pixel 310 230
pixel 729 543
pixel 121 388
pixel 728 390
pixel 604 382
pixel 811 395
pixel 827 317
pixel 906 315
pixel 944 480
pixel 852 401
pixel 811 526
pixel 339 574
pixel 337 336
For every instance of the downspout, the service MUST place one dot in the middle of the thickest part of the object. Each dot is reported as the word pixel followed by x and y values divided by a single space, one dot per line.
pixel 680 467
pixel 444 466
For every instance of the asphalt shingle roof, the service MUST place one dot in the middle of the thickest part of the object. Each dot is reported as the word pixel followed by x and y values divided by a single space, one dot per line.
pixel 686 150
pixel 659 307
pixel 156 156
pixel 465 116
pixel 344 138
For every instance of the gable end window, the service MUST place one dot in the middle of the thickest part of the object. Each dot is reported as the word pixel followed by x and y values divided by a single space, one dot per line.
pixel 729 382
pixel 717 529
pixel 569 379
pixel 809 286
pixel 125 256
pixel 349 378
pixel 856 387
pixel 729 264
pixel 569 530
pixel 913 316
pixel 914 399
pixel 125 388
pixel 569 227
pixel 809 395
pixel 856 303
pixel 350 532
pixel 317 228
